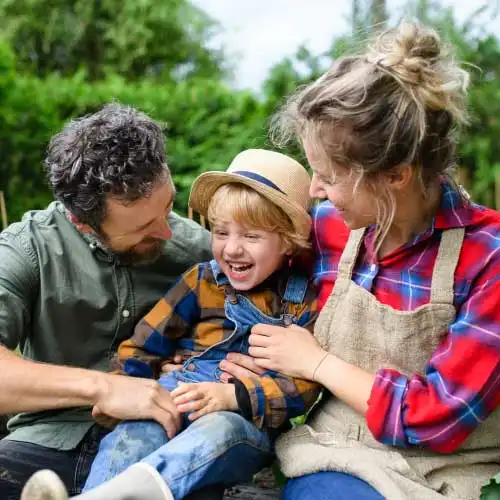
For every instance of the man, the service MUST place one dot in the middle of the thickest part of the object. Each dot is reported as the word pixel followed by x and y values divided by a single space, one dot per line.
pixel 74 280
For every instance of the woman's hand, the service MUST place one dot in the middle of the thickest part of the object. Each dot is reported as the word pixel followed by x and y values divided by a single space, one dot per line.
pixel 239 366
pixel 292 351
pixel 204 397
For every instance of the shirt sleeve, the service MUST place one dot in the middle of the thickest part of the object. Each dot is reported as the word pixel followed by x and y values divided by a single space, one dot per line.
pixel 19 280
pixel 155 336
pixel 460 385
pixel 275 398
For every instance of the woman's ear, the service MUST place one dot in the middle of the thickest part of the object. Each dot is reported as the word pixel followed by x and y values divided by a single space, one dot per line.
pixel 400 177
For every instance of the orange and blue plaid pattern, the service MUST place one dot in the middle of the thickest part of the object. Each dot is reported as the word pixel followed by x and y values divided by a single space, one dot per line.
pixel 190 318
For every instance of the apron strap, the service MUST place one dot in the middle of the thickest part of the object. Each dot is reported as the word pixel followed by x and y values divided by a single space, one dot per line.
pixel 350 254
pixel 443 275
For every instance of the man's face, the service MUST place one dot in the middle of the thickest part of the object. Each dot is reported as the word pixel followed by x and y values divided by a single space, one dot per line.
pixel 135 232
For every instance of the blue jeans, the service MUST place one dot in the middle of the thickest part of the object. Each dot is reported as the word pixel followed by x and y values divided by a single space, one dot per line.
pixel 329 486
pixel 19 460
pixel 219 448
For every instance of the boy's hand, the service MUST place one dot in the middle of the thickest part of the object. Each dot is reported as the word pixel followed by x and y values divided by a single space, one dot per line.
pixel 204 397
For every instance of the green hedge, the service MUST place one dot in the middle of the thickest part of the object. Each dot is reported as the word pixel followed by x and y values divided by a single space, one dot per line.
pixel 206 125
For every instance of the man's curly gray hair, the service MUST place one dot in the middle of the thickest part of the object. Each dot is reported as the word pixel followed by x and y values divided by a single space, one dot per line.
pixel 117 151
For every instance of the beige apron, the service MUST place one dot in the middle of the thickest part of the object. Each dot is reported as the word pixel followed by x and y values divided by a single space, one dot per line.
pixel 357 328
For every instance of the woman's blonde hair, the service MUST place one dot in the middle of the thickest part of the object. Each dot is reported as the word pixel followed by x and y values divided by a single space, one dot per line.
pixel 398 103
pixel 250 209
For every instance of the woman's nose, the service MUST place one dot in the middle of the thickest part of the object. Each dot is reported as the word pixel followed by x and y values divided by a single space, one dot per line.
pixel 317 188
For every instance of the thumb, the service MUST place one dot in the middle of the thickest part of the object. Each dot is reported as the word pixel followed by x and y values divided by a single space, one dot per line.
pixel 96 411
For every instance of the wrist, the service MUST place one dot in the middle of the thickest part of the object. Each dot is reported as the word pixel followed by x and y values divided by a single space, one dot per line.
pixel 320 361
pixel 97 387
pixel 230 396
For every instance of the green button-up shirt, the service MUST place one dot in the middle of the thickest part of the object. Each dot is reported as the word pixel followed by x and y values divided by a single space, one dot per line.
pixel 66 300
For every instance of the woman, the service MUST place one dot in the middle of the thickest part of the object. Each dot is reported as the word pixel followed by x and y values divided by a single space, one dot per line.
pixel 408 341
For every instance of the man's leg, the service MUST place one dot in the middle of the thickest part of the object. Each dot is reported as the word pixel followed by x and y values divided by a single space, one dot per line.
pixel 19 460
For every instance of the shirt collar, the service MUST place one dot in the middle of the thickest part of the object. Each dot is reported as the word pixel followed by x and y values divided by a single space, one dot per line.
pixel 455 210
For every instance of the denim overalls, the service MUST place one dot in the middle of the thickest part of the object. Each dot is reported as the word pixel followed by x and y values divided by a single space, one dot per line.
pixel 221 447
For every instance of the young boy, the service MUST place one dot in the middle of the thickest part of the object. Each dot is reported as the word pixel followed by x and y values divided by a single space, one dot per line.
pixel 259 223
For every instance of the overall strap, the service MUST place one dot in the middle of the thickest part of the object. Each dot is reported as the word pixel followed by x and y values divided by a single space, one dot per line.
pixel 443 275
pixel 296 288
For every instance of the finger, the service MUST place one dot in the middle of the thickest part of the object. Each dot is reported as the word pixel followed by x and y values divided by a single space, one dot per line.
pixel 188 396
pixel 237 371
pixel 257 339
pixel 259 353
pixel 197 414
pixel 97 412
pixel 182 388
pixel 166 403
pixel 169 367
pixel 167 420
pixel 242 360
pixel 178 359
pixel 266 330
pixel 192 406
pixel 266 364
pixel 225 378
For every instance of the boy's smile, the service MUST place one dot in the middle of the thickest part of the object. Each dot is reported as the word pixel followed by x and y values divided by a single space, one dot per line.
pixel 247 256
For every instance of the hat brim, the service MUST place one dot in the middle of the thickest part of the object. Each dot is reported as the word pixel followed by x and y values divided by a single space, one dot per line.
pixel 205 186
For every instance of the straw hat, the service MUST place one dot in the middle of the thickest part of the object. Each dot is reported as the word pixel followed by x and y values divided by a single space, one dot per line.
pixel 279 178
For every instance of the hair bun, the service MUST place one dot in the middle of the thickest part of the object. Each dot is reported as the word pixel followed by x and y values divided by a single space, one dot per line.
pixel 409 52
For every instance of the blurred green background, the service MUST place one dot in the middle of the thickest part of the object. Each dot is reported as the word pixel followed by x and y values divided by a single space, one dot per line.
pixel 64 58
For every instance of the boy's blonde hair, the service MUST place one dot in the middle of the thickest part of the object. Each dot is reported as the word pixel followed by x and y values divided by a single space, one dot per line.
pixel 250 209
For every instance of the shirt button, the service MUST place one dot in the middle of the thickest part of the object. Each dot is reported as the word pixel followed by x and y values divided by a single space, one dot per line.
pixel 125 313
pixel 191 367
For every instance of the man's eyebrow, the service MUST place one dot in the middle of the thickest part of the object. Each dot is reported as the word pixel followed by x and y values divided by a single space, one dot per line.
pixel 169 204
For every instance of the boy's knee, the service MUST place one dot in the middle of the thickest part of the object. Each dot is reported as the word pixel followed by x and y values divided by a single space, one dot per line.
pixel 230 427
pixel 134 431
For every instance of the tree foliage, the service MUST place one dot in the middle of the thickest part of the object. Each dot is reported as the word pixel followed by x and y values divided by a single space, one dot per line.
pixel 165 39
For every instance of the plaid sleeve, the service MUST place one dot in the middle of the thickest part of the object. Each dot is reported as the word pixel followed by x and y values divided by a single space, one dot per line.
pixel 155 336
pixel 274 397
pixel 461 383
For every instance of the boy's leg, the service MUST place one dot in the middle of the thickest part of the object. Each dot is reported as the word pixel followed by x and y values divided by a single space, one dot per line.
pixel 127 444
pixel 219 448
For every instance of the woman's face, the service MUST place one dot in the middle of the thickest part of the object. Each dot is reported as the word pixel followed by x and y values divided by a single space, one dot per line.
pixel 337 183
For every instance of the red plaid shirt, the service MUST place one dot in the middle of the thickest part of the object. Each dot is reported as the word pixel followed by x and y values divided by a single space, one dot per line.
pixel 460 386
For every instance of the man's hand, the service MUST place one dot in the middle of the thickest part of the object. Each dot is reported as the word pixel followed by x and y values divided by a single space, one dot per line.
pixel 239 366
pixel 130 398
pixel 204 397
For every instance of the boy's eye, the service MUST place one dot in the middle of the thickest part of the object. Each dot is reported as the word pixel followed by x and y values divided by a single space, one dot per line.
pixel 219 232
pixel 252 236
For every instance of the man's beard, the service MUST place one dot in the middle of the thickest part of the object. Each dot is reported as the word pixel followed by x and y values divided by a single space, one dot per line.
pixel 133 258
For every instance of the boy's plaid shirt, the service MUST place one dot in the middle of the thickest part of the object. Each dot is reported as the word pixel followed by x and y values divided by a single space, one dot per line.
pixel 191 318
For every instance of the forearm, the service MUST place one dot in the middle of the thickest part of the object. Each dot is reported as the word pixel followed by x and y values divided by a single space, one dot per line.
pixel 347 382
pixel 30 386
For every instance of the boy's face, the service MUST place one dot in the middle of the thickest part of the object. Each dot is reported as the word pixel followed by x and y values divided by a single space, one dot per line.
pixel 247 256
